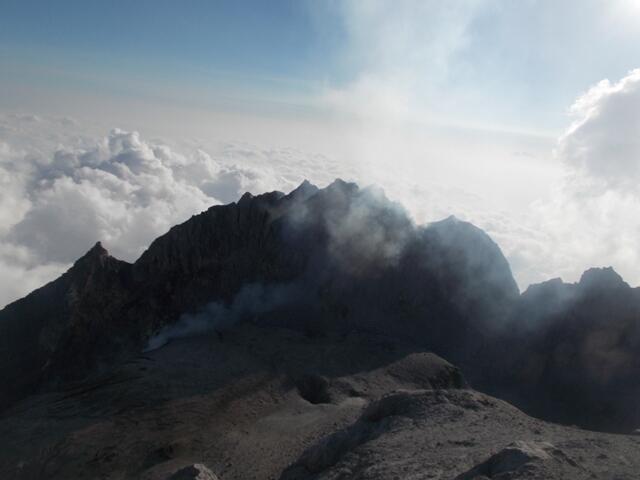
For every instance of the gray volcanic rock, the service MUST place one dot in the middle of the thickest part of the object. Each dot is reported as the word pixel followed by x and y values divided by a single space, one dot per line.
pixel 231 404
pixel 522 459
pixel 462 435
pixel 197 471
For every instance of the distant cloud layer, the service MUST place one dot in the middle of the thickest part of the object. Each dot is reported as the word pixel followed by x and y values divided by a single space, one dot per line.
pixel 593 217
pixel 60 193
pixel 603 144
pixel 62 189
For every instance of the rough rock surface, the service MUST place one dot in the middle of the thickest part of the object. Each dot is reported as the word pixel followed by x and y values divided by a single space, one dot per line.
pixel 522 459
pixel 197 471
pixel 462 435
pixel 233 405
pixel 60 330
pixel 578 355
pixel 230 404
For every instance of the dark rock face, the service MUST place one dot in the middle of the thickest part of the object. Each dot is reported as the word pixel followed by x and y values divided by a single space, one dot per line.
pixel 521 460
pixel 196 471
pixel 578 356
pixel 61 329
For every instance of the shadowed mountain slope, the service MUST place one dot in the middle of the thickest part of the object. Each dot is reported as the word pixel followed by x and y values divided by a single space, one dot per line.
pixel 338 261
pixel 349 260
pixel 48 336
pixel 265 402
pixel 580 345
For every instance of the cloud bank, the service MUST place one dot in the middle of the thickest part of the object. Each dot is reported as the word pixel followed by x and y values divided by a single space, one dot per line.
pixel 592 218
pixel 602 146
pixel 62 189
pixel 60 192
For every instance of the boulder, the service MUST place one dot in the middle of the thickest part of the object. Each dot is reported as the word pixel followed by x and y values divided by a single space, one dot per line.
pixel 197 471
pixel 517 457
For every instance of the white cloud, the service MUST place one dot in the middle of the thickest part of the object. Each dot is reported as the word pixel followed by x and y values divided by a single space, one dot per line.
pixel 21 273
pixel 588 214
pixel 65 188
pixel 400 56
pixel 592 218
pixel 603 144
pixel 61 191
pixel 122 190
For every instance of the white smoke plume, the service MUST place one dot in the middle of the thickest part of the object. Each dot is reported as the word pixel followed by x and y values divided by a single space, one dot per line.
pixel 252 300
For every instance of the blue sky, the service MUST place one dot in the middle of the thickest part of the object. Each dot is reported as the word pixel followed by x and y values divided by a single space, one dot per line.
pixel 513 63
pixel 243 36
pixel 271 47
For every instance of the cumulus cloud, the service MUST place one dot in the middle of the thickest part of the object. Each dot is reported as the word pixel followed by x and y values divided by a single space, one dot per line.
pixel 602 146
pixel 121 191
pixel 587 217
pixel 61 191
pixel 591 220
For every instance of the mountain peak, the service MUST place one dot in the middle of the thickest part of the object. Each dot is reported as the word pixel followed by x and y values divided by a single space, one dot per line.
pixel 605 277
pixel 95 253
pixel 245 197
pixel 97 259
pixel 339 185
pixel 305 190
pixel 98 249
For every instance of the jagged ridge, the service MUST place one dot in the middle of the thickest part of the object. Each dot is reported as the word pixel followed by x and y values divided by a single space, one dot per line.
pixel 348 260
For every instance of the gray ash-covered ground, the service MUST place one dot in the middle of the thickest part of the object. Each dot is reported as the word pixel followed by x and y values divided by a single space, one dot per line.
pixel 374 409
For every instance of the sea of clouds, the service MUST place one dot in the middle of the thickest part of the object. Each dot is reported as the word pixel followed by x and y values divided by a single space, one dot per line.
pixel 62 189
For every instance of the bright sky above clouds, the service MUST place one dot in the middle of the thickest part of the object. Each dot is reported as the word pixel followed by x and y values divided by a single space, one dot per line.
pixel 119 119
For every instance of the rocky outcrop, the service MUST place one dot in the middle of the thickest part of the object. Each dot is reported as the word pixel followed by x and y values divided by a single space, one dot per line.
pixel 457 434
pixel 521 459
pixel 577 359
pixel 58 331
pixel 197 471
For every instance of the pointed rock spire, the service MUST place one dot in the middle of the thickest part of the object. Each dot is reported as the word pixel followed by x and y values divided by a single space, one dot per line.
pixel 305 190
